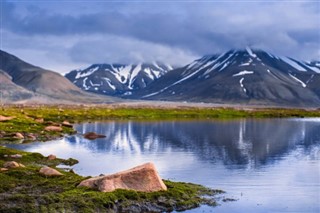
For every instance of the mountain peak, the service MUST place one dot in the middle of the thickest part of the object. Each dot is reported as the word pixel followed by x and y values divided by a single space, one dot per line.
pixel 116 79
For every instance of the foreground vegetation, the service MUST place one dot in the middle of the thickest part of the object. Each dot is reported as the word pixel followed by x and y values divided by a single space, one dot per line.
pixel 26 116
pixel 25 190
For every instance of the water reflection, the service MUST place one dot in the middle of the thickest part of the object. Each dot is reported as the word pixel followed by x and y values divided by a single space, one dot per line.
pixel 244 142
pixel 270 165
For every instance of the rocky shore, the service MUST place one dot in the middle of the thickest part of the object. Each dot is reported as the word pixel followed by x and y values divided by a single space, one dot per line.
pixel 31 182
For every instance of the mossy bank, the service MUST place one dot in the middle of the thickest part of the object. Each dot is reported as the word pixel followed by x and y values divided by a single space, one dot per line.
pixel 24 189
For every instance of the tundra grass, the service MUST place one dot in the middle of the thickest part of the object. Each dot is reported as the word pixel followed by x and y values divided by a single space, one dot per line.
pixel 25 190
pixel 25 121
pixel 25 117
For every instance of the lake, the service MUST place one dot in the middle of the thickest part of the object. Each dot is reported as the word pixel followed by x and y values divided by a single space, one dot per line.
pixel 268 165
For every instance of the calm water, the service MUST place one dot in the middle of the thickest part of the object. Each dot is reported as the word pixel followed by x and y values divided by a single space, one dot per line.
pixel 269 165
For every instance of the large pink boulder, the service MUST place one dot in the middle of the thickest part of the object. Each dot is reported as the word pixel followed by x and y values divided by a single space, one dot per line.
pixel 144 178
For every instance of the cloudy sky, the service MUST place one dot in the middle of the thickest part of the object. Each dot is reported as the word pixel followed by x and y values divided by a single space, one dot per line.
pixel 65 35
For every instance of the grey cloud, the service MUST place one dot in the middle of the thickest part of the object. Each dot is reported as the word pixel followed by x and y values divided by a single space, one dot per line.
pixel 186 28
pixel 115 49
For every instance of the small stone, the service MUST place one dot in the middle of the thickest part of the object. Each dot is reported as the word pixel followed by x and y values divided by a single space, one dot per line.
pixel 3 169
pixel 5 156
pixel 47 171
pixel 51 123
pixel 66 124
pixel 18 135
pixel 30 136
pixel 39 120
pixel 53 128
pixel 12 164
pixel 6 118
pixel 16 156
pixel 93 135
pixel 52 157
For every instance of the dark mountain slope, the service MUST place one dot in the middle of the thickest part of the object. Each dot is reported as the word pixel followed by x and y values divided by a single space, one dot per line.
pixel 240 76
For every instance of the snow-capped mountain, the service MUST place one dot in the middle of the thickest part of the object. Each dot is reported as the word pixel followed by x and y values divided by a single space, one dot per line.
pixel 117 79
pixel 240 76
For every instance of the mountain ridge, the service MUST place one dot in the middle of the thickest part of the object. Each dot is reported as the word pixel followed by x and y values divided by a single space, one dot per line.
pixel 239 76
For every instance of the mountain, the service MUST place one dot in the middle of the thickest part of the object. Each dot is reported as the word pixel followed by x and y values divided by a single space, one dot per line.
pixel 40 82
pixel 117 79
pixel 240 76
pixel 9 91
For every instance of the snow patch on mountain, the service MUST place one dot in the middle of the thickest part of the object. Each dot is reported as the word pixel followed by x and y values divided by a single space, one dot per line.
pixel 85 74
pixel 134 74
pixel 109 83
pixel 244 72
pixel 241 85
pixel 298 80
pixel 313 68
pixel 250 52
pixel 293 63
pixel 247 63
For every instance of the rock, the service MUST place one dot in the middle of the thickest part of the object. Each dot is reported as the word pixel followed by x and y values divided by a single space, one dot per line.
pixel 52 157
pixel 47 171
pixel 66 124
pixel 30 136
pixel 93 135
pixel 18 135
pixel 51 123
pixel 12 164
pixel 53 128
pixel 5 118
pixel 3 169
pixel 16 156
pixel 142 178
pixel 39 120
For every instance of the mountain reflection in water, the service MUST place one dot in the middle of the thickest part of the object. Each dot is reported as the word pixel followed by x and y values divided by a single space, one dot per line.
pixel 270 165
pixel 241 142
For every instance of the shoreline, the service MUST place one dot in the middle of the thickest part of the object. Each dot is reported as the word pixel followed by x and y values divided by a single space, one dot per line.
pixel 31 121
pixel 24 189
